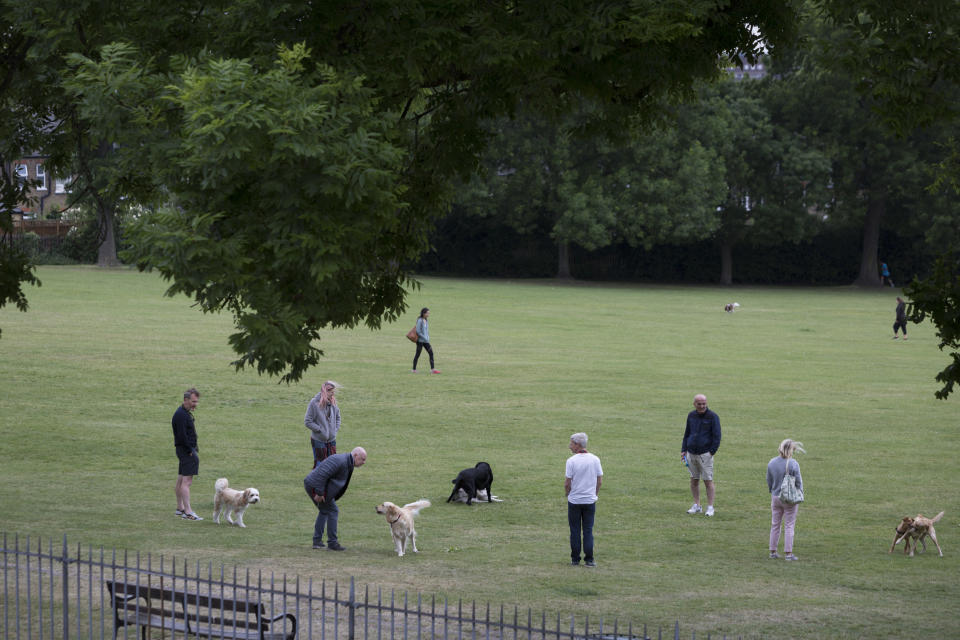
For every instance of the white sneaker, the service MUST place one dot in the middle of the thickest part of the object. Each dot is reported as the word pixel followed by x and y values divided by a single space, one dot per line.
pixel 694 509
pixel 710 511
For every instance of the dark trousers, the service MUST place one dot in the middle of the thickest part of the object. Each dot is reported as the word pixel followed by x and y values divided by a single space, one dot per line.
pixel 580 517
pixel 327 516
pixel 900 325
pixel 322 450
pixel 421 346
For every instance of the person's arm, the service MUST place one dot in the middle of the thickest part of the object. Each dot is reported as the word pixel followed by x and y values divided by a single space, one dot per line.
pixel 599 482
pixel 799 478
pixel 566 487
pixel 686 434
pixel 769 479
pixel 716 435
pixel 310 417
pixel 421 330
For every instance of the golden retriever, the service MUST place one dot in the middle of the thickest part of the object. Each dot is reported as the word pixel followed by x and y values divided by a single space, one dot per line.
pixel 915 530
pixel 401 522
pixel 227 501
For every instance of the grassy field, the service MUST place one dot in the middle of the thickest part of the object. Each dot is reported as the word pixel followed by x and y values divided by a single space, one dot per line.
pixel 93 372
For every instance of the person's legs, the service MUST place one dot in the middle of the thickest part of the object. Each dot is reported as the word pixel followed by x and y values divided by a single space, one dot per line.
pixel 183 493
pixel 710 491
pixel 776 515
pixel 333 515
pixel 322 450
pixel 417 355
pixel 426 345
pixel 789 522
pixel 319 524
pixel 588 512
pixel 695 489
pixel 573 518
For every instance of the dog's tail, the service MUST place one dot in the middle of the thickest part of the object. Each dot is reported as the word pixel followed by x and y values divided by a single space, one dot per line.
pixel 936 518
pixel 416 506
pixel 221 484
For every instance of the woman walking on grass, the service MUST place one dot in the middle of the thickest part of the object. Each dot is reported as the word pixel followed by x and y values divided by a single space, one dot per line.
pixel 780 511
pixel 423 340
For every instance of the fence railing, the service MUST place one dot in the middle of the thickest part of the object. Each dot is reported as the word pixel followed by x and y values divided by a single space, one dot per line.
pixel 55 592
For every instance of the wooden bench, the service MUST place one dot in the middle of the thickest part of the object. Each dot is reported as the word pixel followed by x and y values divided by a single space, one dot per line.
pixel 194 615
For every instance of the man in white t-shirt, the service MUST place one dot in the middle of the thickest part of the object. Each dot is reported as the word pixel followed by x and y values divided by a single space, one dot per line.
pixel 582 485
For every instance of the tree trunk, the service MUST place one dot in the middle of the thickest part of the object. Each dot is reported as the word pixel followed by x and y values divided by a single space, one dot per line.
pixel 869 274
pixel 726 262
pixel 107 253
pixel 563 261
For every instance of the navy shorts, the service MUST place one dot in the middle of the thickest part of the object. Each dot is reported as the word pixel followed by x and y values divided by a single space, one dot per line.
pixel 189 463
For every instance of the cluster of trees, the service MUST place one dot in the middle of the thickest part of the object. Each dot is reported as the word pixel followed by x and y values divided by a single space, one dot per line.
pixel 286 161
pixel 780 160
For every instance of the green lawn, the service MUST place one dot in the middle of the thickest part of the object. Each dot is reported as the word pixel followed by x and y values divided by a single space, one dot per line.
pixel 93 372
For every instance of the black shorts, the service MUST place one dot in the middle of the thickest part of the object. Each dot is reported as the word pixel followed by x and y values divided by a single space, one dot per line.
pixel 189 463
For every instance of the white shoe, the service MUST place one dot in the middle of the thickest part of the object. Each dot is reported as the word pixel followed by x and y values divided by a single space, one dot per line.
pixel 710 511
pixel 695 509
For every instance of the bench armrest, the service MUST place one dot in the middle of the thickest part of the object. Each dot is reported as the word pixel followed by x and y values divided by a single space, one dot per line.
pixel 293 622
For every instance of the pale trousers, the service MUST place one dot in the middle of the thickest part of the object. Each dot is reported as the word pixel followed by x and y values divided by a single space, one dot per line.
pixel 787 514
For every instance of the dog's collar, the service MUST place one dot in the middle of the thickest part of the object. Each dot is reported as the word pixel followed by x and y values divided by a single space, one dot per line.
pixel 397 520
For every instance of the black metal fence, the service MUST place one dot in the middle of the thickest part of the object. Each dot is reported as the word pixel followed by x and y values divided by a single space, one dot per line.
pixel 53 592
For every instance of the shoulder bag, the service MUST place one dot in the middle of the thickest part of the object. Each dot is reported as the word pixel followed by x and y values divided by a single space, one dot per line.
pixel 789 493
pixel 412 334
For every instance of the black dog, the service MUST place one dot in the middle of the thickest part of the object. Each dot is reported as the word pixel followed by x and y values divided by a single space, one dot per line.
pixel 472 480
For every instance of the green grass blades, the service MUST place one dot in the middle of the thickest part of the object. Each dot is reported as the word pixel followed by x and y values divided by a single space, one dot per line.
pixel 94 371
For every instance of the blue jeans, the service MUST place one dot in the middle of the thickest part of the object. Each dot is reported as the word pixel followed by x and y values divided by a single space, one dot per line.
pixel 580 517
pixel 326 517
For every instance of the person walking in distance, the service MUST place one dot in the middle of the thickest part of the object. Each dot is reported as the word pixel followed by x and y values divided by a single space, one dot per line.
pixel 701 439
pixel 423 340
pixel 901 321
pixel 584 474
pixel 323 421
pixel 188 454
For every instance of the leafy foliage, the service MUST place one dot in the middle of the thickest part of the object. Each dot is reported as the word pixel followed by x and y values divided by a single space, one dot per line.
pixel 938 297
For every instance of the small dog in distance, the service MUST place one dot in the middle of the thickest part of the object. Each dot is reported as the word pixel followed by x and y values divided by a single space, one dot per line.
pixel 730 307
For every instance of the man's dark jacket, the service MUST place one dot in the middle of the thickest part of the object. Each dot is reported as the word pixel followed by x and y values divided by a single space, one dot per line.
pixel 331 477
pixel 702 434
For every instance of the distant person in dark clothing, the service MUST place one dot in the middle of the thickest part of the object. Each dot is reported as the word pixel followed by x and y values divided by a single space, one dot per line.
pixel 325 485
pixel 901 322
pixel 185 441
pixel 701 439
pixel 885 274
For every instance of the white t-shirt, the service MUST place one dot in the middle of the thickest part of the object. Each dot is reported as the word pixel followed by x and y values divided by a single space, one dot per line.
pixel 582 470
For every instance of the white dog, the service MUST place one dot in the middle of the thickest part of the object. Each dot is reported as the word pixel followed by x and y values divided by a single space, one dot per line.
pixel 401 522
pixel 228 501
pixel 730 307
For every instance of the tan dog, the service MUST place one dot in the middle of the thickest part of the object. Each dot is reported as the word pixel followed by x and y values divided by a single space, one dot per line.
pixel 401 522
pixel 915 530
pixel 227 501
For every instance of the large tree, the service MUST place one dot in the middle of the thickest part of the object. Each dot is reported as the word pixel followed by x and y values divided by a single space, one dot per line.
pixel 905 55
pixel 295 154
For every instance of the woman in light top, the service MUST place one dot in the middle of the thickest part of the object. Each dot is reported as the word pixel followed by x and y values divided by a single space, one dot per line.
pixel 781 512
pixel 423 340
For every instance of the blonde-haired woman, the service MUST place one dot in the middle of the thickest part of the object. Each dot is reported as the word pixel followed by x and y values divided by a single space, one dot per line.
pixel 783 513
pixel 323 421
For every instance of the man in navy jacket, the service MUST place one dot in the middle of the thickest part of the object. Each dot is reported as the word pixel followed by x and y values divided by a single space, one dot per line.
pixel 701 439
pixel 325 485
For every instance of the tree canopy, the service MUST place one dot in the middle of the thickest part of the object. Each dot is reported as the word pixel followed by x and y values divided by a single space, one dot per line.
pixel 291 157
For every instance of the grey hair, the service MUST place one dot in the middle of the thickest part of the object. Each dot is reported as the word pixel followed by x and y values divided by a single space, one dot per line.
pixel 335 385
pixel 190 392
pixel 580 438
pixel 788 447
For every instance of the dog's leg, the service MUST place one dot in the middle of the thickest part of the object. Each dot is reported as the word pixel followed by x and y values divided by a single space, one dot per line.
pixel 413 541
pixel 933 536
pixel 401 543
pixel 230 513
pixel 240 519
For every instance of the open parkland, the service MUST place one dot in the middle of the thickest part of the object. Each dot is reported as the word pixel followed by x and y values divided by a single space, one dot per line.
pixel 94 370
